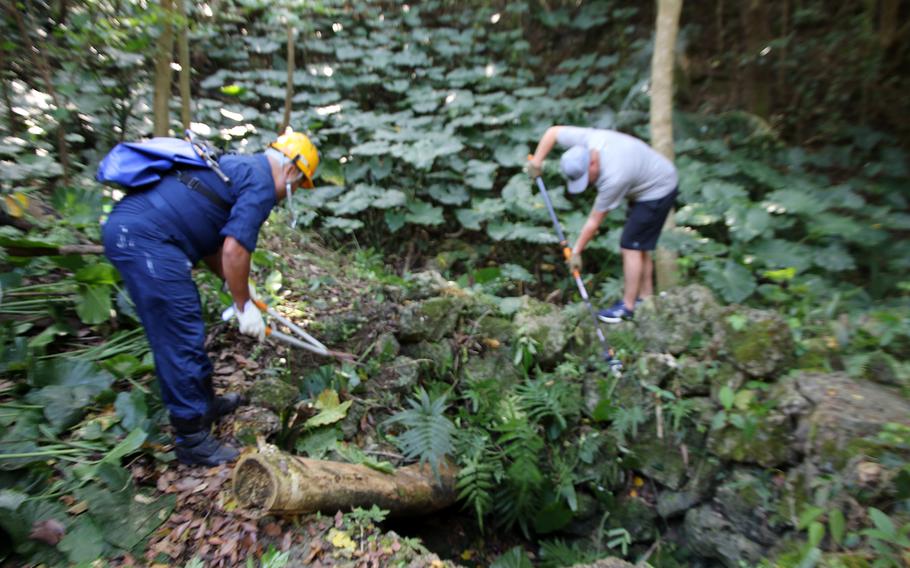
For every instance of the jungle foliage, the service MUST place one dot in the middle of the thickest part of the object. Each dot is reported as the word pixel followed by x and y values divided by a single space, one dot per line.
pixel 791 140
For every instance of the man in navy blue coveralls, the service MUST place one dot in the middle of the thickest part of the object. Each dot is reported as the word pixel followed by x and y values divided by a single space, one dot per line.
pixel 155 237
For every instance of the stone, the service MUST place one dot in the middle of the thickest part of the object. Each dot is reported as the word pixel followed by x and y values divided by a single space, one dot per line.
pixel 429 320
pixel 788 400
pixel 710 534
pixel 757 342
pixel 672 503
pixel 274 394
pixel 882 368
pixel 493 327
pixel 386 347
pixel 664 460
pixel 676 320
pixel 636 516
pixel 701 482
pixel 656 368
pixel 405 372
pixel 492 364
pixel 251 422
pixel 691 378
pixel 426 284
pixel 747 502
pixel 434 359
pixel 547 324
pixel 843 412
pixel 770 445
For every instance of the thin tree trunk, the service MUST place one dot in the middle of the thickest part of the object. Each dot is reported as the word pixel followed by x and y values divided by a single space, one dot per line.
pixel 12 120
pixel 163 57
pixel 887 23
pixel 44 69
pixel 668 12
pixel 289 92
pixel 757 82
pixel 183 47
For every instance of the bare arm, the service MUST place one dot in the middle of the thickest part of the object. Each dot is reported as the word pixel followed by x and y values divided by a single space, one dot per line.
pixel 589 230
pixel 235 263
pixel 547 141
pixel 213 261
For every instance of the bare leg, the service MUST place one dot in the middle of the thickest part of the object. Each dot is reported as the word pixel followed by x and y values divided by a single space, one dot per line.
pixel 647 276
pixel 632 268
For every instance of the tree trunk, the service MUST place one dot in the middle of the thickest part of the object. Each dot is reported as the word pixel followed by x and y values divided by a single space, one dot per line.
pixel 289 92
pixel 12 120
pixel 662 116
pixel 272 481
pixel 757 79
pixel 183 47
pixel 888 18
pixel 43 67
pixel 163 57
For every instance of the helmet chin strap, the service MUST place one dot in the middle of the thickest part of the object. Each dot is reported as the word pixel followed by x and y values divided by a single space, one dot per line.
pixel 289 197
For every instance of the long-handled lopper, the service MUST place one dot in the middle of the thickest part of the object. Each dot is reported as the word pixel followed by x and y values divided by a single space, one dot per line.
pixel 304 341
pixel 608 354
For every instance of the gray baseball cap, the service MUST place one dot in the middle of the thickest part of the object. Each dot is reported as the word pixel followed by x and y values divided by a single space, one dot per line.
pixel 574 166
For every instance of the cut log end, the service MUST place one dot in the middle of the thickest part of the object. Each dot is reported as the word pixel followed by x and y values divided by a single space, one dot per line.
pixel 255 485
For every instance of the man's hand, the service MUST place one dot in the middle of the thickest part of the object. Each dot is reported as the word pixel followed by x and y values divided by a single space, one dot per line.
pixel 574 262
pixel 534 168
pixel 251 322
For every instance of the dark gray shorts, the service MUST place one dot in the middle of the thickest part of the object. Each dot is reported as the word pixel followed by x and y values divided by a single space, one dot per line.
pixel 644 220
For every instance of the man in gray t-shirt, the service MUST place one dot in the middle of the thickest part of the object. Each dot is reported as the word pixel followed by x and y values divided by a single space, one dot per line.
pixel 620 167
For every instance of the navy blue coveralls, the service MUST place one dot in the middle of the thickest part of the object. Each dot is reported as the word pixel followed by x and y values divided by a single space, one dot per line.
pixel 154 238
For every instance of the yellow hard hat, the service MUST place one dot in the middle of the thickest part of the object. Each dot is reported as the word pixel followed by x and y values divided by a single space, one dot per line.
pixel 301 151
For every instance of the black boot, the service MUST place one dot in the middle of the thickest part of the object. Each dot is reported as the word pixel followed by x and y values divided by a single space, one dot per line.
pixel 225 404
pixel 196 445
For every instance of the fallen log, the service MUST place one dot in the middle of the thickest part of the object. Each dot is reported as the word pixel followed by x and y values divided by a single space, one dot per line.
pixel 271 481
pixel 62 250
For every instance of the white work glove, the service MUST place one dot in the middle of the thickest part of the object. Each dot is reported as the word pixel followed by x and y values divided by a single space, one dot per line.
pixel 250 319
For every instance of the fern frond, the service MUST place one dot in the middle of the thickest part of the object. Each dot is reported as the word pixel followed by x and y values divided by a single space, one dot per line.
pixel 428 435
pixel 548 401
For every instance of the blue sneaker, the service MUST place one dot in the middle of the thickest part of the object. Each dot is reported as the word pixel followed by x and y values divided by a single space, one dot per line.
pixel 615 313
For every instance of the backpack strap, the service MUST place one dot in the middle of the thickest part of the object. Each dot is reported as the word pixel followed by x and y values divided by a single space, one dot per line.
pixel 201 188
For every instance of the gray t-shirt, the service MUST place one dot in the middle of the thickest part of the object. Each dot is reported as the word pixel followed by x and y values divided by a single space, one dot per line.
pixel 629 168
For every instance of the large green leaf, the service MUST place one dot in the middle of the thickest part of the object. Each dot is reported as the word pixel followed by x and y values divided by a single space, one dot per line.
pixel 731 280
pixel 128 516
pixel 94 304
pixel 84 541
pixel 422 213
pixel 480 175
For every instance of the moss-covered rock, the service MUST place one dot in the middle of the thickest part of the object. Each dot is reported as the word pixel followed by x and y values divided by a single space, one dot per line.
pixel 769 445
pixel 495 328
pixel 273 393
pixel 757 342
pixel 434 359
pixel 636 516
pixel 386 347
pixel 656 368
pixel 547 324
pixel 844 411
pixel 677 320
pixel 492 364
pixel 691 378
pixel 426 284
pixel 405 373
pixel 430 320
pixel 710 534
pixel 746 500
pixel 664 460
pixel 606 563
pixel 251 422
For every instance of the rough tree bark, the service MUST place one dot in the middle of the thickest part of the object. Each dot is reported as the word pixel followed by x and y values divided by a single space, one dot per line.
pixel 44 69
pixel 271 481
pixel 163 57
pixel 662 116
pixel 183 49
pixel 289 92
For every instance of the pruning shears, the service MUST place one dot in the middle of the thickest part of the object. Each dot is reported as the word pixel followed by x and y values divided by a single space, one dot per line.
pixel 204 151
pixel 608 354
pixel 303 340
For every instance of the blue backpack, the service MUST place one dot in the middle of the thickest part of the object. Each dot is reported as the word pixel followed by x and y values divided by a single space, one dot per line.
pixel 137 165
